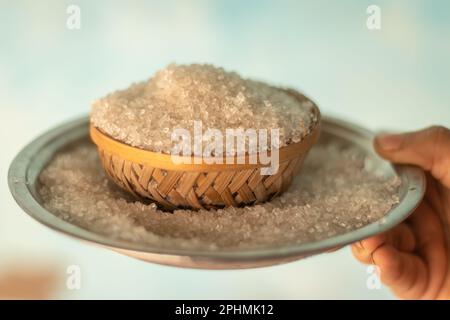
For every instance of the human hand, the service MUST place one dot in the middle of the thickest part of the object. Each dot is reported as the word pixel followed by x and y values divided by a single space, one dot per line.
pixel 414 257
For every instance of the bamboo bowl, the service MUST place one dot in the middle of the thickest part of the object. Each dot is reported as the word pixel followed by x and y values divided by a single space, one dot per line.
pixel 155 176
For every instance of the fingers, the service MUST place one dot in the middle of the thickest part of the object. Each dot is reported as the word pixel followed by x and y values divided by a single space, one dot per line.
pixel 430 246
pixel 428 148
pixel 405 273
pixel 411 257
pixel 401 237
pixel 363 250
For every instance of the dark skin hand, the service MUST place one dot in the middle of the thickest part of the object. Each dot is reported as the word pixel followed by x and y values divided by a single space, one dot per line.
pixel 414 257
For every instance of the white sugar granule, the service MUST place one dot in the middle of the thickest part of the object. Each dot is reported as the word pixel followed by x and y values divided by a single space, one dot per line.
pixel 145 114
pixel 332 195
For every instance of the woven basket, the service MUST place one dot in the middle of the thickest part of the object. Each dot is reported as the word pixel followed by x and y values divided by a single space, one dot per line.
pixel 155 176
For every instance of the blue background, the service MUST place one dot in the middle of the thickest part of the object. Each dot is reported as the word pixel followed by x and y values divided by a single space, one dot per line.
pixel 395 78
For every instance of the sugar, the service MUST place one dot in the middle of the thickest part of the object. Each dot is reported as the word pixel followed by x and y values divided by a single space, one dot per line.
pixel 332 195
pixel 145 114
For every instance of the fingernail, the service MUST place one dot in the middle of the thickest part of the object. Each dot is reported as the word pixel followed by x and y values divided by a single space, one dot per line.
pixel 389 142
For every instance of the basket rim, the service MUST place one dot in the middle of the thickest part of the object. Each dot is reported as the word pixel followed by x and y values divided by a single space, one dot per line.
pixel 166 161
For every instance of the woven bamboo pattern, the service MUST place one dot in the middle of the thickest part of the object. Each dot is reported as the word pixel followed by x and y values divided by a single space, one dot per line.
pixel 154 176
pixel 196 190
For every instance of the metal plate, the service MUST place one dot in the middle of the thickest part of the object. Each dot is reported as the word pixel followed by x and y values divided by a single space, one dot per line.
pixel 26 167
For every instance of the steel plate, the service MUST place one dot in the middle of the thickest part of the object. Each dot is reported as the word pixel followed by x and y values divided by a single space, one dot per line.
pixel 26 167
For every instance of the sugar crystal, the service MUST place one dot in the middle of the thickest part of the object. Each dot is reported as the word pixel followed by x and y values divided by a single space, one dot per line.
pixel 332 195
pixel 145 114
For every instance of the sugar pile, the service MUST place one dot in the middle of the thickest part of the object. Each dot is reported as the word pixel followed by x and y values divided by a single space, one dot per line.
pixel 333 194
pixel 145 114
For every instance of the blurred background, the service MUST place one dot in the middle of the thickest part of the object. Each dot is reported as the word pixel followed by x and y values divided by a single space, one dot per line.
pixel 393 78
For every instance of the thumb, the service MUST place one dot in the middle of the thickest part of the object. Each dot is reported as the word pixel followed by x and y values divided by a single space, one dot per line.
pixel 428 149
